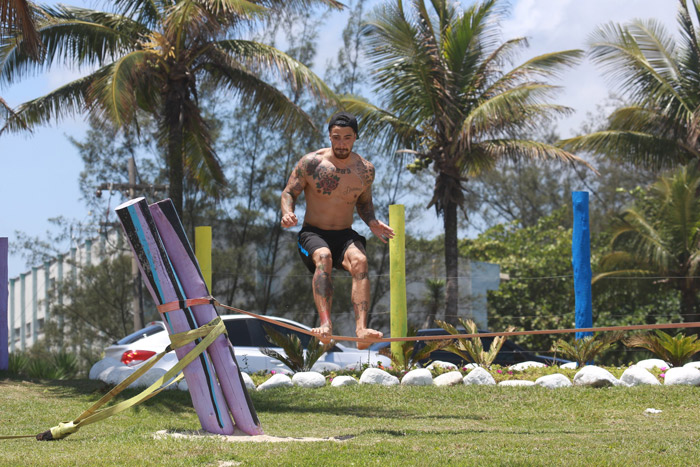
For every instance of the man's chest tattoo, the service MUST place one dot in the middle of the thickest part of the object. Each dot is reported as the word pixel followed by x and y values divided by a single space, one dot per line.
pixel 326 180
pixel 366 174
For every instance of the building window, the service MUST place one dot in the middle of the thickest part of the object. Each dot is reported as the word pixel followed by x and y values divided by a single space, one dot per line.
pixel 29 329
pixel 40 324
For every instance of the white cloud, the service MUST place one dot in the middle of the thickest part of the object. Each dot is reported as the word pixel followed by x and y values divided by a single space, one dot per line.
pixel 552 25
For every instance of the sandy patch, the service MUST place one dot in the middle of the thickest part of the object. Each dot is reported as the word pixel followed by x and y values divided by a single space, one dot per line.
pixel 240 437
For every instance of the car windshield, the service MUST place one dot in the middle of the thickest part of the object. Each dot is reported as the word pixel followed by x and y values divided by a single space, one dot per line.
pixel 140 334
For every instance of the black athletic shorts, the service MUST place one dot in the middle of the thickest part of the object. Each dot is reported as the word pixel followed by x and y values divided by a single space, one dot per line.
pixel 311 239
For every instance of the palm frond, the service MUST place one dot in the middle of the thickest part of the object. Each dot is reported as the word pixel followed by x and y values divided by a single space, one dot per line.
pixel 648 150
pixel 585 350
pixel 639 59
pixel 498 149
pixel 17 19
pixel 202 162
pixel 380 124
pixel 6 113
pixel 290 343
pixel 268 101
pixel 72 36
pixel 542 66
pixel 262 58
pixel 472 349
pixel 116 89
pixel 69 99
pixel 676 350
pixel 515 107
pixel 297 359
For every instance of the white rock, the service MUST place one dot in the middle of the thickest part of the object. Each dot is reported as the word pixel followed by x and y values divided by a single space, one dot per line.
pixel 116 374
pixel 357 366
pixel 248 381
pixel 692 365
pixel 569 366
pixel 277 380
pixel 650 410
pixel 418 377
pixel 102 365
pixel 479 376
pixel 595 376
pixel 651 363
pixel 470 366
pixel 448 379
pixel 343 381
pixel 516 382
pixel 637 376
pixel 309 379
pixel 554 381
pixel 443 365
pixel 525 365
pixel 377 376
pixel 682 375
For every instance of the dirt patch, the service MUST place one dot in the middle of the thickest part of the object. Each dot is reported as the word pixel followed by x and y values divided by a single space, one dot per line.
pixel 240 437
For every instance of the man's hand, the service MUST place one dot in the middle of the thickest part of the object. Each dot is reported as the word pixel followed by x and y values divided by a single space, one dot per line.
pixel 381 230
pixel 289 220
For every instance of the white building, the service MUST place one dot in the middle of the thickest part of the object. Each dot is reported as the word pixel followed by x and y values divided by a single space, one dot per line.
pixel 28 307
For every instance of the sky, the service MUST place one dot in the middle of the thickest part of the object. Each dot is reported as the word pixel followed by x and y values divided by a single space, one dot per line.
pixel 39 171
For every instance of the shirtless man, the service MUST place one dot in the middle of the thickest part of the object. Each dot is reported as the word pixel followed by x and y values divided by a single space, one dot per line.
pixel 335 181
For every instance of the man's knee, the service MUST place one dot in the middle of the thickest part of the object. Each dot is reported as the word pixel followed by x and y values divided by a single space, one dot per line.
pixel 358 266
pixel 323 259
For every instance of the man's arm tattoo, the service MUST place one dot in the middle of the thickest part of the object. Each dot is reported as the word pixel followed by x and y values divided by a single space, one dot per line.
pixel 365 208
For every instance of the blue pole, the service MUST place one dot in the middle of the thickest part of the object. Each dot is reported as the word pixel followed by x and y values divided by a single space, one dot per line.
pixel 4 345
pixel 581 259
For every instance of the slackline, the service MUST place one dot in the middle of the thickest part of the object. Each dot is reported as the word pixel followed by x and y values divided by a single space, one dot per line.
pixel 182 304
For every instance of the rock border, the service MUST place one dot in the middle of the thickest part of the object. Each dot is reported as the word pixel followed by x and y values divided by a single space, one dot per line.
pixel 639 374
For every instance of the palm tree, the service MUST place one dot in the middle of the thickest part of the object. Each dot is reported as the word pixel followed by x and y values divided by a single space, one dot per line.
pixel 155 56
pixel 660 237
pixel 660 78
pixel 16 17
pixel 450 98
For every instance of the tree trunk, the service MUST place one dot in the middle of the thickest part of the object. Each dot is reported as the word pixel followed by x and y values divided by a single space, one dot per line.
pixel 451 262
pixel 174 159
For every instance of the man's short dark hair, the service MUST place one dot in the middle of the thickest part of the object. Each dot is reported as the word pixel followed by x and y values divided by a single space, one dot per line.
pixel 343 119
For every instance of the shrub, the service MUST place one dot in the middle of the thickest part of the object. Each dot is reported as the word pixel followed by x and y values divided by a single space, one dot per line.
pixel 586 349
pixel 410 353
pixel 676 350
pixel 17 363
pixel 472 349
pixel 297 359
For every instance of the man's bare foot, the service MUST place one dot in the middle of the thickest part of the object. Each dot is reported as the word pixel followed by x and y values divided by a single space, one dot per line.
pixel 367 334
pixel 323 333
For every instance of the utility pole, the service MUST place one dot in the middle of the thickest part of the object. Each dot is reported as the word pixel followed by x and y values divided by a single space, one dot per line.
pixel 132 187
pixel 137 297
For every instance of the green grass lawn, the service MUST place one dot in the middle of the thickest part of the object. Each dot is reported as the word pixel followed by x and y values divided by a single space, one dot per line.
pixel 465 425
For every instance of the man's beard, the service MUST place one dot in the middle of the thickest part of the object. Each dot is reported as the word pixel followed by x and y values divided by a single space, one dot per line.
pixel 341 153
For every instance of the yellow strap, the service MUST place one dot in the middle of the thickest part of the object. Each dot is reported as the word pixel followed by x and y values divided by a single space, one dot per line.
pixel 209 332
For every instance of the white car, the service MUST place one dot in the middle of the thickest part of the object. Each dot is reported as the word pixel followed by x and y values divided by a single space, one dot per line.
pixel 247 336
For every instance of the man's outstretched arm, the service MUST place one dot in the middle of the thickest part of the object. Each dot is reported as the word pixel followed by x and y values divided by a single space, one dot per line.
pixel 295 186
pixel 365 209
